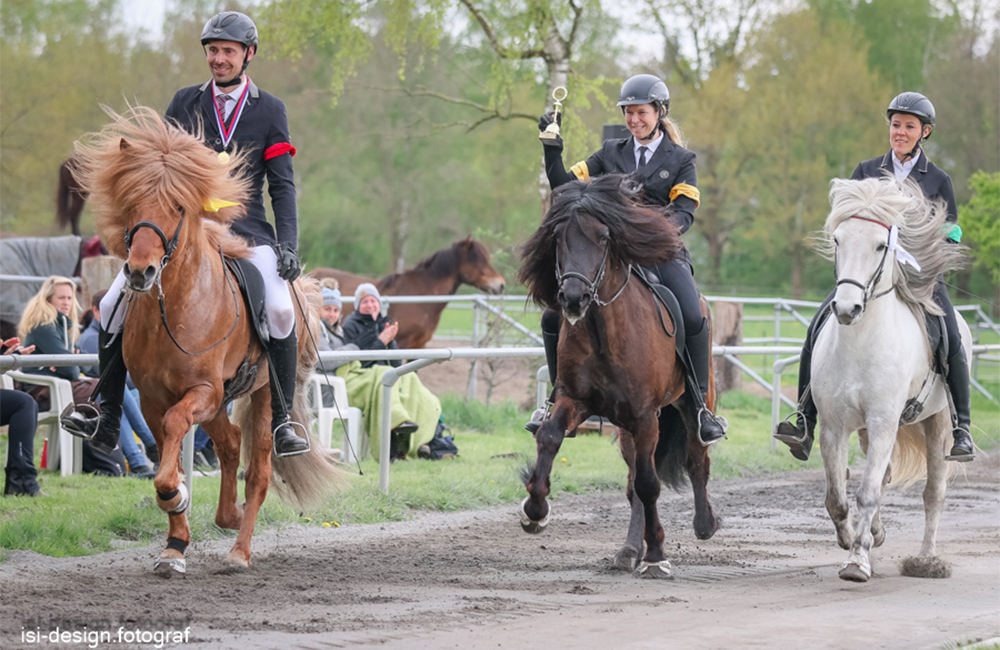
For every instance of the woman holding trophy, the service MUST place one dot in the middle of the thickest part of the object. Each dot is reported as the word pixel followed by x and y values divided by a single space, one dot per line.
pixel 655 156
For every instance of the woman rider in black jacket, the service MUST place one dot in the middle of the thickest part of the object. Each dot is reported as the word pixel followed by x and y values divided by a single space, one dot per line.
pixel 654 155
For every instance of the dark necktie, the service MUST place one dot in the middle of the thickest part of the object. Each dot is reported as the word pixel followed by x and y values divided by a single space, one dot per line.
pixel 642 158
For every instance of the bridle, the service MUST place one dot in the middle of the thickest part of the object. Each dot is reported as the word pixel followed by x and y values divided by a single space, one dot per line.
pixel 595 284
pixel 869 286
pixel 169 247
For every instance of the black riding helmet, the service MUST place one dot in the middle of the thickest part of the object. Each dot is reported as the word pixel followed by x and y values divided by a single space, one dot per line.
pixel 916 105
pixel 231 26
pixel 645 89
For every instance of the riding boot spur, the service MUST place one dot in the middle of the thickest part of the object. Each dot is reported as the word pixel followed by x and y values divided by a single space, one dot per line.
pixel 958 383
pixel 550 340
pixel 282 357
pixel 103 429
pixel 711 427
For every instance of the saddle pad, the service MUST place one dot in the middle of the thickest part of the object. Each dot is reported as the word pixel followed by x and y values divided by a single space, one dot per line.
pixel 667 299
pixel 252 287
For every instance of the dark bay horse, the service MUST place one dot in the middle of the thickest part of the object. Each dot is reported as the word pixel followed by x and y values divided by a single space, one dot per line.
pixel 155 190
pixel 615 358
pixel 464 262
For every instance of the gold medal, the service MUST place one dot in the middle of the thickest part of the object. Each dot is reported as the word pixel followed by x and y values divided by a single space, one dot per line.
pixel 223 157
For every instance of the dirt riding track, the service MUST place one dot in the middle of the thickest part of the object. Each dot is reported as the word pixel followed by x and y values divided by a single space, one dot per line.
pixel 768 579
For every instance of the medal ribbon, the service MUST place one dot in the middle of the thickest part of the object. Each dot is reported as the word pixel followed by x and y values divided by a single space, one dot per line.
pixel 227 134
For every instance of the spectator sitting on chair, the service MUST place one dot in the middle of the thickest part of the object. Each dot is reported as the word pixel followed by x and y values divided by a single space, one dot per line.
pixel 19 413
pixel 132 419
pixel 49 323
pixel 415 410
pixel 332 333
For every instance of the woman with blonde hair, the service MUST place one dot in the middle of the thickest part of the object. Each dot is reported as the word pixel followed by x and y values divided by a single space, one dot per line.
pixel 49 323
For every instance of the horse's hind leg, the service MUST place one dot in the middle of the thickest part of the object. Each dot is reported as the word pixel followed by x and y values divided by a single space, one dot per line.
pixel 226 437
pixel 936 430
pixel 833 445
pixel 697 464
pixel 549 437
pixel 627 557
pixel 257 477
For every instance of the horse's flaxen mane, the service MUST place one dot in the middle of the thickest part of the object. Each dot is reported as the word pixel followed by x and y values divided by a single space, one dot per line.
pixel 637 234
pixel 920 222
pixel 441 264
pixel 139 162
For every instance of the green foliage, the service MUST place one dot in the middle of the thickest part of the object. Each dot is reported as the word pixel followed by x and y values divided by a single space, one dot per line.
pixel 980 221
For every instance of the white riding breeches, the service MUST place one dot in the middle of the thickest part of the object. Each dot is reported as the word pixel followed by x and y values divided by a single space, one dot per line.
pixel 277 297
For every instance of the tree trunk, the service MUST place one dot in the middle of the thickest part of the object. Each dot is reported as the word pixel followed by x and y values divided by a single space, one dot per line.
pixel 727 329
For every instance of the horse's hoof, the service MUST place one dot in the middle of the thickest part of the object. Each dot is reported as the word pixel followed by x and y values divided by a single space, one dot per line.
pixel 626 559
pixel 530 525
pixel 237 561
pixel 655 570
pixel 168 567
pixel 854 572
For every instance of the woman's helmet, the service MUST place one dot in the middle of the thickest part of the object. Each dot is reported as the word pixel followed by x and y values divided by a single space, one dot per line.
pixel 645 89
pixel 230 26
pixel 912 104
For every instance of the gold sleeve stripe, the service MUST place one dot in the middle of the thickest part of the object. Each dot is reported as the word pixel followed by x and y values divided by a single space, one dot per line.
pixel 581 171
pixel 690 191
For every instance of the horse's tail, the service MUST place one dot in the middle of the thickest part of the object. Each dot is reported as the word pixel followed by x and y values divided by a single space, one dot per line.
pixel 670 457
pixel 304 480
pixel 909 455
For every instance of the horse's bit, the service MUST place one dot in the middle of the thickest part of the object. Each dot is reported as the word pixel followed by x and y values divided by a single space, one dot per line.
pixel 595 284
pixel 876 275
pixel 168 252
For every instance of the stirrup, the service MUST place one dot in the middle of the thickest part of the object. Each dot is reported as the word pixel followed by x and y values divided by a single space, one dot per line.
pixel 77 422
pixel 722 422
pixel 289 454
pixel 782 434
pixel 538 417
pixel 963 456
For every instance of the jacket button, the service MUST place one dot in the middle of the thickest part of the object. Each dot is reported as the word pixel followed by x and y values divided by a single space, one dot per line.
pixel 218 141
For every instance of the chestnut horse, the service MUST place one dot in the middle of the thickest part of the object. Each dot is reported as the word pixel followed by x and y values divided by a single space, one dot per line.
pixel 70 197
pixel 155 190
pixel 464 262
pixel 615 358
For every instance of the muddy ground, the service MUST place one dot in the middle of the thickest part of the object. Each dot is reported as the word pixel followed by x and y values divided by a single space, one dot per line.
pixel 768 579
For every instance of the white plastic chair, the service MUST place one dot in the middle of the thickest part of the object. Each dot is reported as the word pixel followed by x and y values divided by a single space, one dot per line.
pixel 65 451
pixel 350 417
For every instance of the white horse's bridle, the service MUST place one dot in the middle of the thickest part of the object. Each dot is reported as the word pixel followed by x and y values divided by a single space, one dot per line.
pixel 869 286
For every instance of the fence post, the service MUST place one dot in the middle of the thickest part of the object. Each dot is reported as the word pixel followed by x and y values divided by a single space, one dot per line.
pixel 473 387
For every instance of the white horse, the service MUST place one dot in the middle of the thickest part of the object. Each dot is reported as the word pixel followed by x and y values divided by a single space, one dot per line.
pixel 888 248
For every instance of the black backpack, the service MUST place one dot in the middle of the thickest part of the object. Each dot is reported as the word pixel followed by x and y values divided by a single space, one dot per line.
pixel 442 446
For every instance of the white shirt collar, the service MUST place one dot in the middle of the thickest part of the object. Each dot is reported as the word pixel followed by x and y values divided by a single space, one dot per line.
pixel 233 94
pixel 902 169
pixel 650 148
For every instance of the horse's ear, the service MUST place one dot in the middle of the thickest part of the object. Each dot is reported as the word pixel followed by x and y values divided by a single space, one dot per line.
pixel 123 145
pixel 467 242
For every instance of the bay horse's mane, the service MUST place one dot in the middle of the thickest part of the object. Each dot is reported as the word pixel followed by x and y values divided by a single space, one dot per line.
pixel 920 222
pixel 638 234
pixel 443 263
pixel 141 162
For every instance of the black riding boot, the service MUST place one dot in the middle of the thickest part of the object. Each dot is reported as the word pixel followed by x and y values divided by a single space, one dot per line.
pixel 958 383
pixel 550 340
pixel 711 427
pixel 800 436
pixel 283 357
pixel 103 431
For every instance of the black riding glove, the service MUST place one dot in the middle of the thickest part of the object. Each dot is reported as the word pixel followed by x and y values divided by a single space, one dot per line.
pixel 289 266
pixel 555 145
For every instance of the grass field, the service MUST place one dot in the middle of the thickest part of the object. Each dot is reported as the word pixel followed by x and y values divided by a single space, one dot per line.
pixel 86 514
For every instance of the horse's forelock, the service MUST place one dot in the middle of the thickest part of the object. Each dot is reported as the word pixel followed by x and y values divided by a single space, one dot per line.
pixel 140 162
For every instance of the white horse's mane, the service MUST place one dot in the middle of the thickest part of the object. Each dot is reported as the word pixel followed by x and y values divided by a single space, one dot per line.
pixel 920 222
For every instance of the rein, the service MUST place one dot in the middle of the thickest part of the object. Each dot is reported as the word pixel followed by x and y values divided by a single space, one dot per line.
pixel 595 284
pixel 168 252
pixel 876 275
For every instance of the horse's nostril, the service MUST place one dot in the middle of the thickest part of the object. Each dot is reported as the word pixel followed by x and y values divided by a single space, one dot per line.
pixel 126 270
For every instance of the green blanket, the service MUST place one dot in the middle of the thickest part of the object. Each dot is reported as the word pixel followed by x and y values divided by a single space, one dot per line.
pixel 410 401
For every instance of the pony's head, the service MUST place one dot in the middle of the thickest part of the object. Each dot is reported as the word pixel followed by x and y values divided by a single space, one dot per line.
pixel 474 267
pixel 156 188
pixel 884 236
pixel 592 232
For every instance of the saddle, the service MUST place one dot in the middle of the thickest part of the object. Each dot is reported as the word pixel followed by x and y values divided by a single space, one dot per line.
pixel 665 299
pixel 252 289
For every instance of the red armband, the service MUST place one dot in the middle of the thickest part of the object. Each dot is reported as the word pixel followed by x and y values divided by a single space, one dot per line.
pixel 276 150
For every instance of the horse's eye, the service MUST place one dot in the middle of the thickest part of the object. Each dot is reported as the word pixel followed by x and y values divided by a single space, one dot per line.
pixel 881 247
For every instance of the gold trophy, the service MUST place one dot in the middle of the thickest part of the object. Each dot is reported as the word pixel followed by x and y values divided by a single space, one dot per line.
pixel 551 132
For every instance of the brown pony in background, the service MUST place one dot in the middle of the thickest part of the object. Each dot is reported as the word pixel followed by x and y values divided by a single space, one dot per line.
pixel 155 181
pixel 70 197
pixel 465 262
